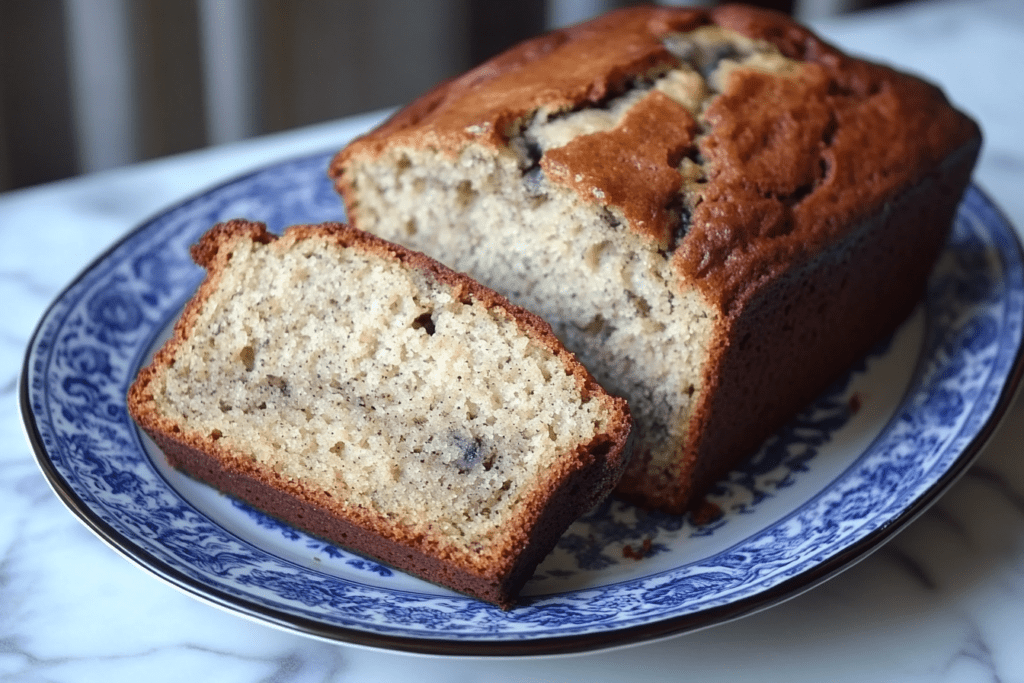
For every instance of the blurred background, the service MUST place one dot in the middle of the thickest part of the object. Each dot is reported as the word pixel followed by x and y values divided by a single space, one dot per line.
pixel 87 85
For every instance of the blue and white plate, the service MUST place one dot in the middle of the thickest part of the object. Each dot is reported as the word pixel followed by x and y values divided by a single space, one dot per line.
pixel 856 466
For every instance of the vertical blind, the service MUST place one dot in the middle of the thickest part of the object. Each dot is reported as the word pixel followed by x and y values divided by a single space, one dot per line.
pixel 87 85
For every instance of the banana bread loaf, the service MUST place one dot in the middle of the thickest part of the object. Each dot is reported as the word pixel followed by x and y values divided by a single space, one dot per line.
pixel 373 397
pixel 715 210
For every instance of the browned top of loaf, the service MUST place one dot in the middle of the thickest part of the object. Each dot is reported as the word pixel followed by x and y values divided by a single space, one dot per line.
pixel 793 161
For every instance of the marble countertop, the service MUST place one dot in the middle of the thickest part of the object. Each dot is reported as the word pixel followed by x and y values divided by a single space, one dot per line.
pixel 942 601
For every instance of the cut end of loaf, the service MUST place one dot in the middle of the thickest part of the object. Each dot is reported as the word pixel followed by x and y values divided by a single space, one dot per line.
pixel 385 389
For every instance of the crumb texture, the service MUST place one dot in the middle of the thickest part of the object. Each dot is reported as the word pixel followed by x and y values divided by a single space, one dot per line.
pixel 354 375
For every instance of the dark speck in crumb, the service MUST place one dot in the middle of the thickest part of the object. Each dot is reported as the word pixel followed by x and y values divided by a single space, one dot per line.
pixel 425 322
pixel 471 453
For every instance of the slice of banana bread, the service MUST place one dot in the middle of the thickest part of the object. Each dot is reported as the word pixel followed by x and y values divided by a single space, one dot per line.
pixel 714 209
pixel 377 399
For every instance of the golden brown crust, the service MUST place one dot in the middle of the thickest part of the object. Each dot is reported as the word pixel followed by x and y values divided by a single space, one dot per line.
pixel 841 137
pixel 844 137
pixel 560 70
pixel 573 486
pixel 592 164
